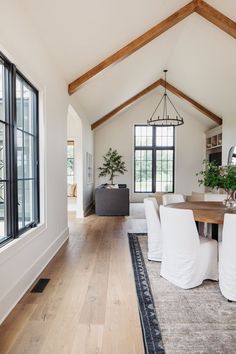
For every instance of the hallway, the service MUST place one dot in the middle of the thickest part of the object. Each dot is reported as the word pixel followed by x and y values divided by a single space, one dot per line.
pixel 89 305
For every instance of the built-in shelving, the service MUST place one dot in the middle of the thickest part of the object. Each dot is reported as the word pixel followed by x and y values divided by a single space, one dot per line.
pixel 214 138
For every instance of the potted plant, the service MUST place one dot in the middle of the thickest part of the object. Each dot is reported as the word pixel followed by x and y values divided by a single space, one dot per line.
pixel 112 166
pixel 223 177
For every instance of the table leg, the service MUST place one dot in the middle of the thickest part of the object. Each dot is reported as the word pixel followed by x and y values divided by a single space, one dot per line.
pixel 214 231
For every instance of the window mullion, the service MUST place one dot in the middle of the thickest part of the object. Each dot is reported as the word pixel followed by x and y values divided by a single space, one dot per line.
pixel 14 216
pixel 8 155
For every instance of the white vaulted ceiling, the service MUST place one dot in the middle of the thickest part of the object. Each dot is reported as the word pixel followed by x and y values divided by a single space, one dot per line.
pixel 199 56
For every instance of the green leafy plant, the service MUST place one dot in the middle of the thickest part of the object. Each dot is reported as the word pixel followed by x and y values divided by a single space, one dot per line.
pixel 214 176
pixel 112 166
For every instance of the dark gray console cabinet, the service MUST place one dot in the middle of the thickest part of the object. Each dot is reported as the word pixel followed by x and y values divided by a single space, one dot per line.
pixel 111 202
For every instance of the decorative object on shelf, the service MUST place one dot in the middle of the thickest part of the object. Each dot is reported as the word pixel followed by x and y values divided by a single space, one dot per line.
pixel 214 138
pixel 113 164
pixel 163 118
pixel 217 177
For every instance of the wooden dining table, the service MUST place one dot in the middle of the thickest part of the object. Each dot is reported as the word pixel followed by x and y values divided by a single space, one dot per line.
pixel 208 212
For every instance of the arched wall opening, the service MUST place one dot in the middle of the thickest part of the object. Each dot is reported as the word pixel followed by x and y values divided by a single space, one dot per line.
pixel 75 189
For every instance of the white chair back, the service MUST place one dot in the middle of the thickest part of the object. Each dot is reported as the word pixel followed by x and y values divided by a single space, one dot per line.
pixel 154 229
pixel 172 198
pixel 214 197
pixel 227 259
pixel 196 197
pixel 182 262
pixel 179 232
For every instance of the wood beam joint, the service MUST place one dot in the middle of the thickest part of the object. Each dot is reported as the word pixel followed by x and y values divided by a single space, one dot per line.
pixel 148 89
pixel 191 101
pixel 217 18
pixel 198 6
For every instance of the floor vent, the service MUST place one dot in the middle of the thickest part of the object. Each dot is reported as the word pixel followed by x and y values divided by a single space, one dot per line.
pixel 40 285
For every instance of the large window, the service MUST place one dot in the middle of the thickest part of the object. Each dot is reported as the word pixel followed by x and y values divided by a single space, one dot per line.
pixel 19 160
pixel 154 159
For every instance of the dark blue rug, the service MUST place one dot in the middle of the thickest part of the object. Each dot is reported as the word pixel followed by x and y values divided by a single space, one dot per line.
pixel 150 326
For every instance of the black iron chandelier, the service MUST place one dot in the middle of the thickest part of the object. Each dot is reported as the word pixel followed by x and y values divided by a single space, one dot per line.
pixel 160 117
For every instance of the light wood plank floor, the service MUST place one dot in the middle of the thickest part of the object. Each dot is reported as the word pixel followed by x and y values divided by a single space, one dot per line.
pixel 89 305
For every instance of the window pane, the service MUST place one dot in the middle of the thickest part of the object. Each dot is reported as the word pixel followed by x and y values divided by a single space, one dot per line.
pixel 3 221
pixel 2 110
pixel 19 105
pixel 28 109
pixel 28 156
pixel 70 161
pixel 2 152
pixel 20 204
pixel 138 141
pixel 164 136
pixel 143 171
pixel 164 171
pixel 19 154
pixel 29 202
pixel 70 179
pixel 70 167
pixel 70 151
pixel 143 136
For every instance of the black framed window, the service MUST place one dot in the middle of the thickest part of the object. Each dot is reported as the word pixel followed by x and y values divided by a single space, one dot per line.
pixel 19 153
pixel 154 159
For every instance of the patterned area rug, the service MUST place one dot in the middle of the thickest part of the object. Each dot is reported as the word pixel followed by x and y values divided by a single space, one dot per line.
pixel 150 326
pixel 177 321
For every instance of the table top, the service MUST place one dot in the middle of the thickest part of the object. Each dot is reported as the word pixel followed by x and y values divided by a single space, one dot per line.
pixel 209 212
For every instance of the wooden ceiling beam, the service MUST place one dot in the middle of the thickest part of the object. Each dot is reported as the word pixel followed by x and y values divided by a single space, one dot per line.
pixel 194 103
pixel 136 44
pixel 198 6
pixel 217 18
pixel 148 89
pixel 125 104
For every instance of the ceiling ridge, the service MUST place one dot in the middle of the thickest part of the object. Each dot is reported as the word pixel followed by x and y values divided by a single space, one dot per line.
pixel 148 89
pixel 195 6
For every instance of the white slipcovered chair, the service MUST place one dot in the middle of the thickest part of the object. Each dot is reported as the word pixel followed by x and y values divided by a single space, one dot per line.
pixel 227 258
pixel 196 197
pixel 154 229
pixel 214 197
pixel 187 258
pixel 172 198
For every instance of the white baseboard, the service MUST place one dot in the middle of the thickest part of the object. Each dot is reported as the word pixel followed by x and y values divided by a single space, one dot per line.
pixel 13 296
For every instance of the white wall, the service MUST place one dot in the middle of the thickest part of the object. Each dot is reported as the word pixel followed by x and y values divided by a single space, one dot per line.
pixel 88 146
pixel 79 130
pixel 22 259
pixel 74 133
pixel 118 133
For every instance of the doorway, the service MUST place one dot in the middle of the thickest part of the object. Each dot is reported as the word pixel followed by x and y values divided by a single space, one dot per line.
pixel 74 164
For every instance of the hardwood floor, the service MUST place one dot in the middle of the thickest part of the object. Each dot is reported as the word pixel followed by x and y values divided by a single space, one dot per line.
pixel 89 306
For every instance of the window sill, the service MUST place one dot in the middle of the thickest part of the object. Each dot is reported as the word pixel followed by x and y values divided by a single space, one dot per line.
pixel 13 247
